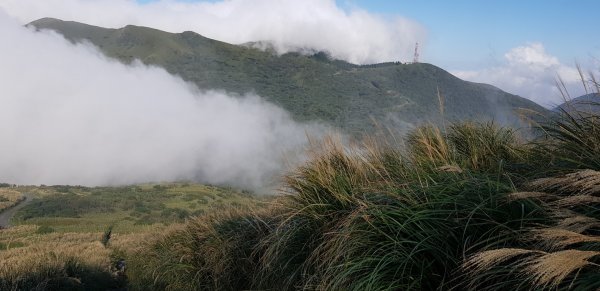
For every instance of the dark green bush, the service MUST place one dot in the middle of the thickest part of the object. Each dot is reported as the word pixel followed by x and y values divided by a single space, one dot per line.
pixel 44 229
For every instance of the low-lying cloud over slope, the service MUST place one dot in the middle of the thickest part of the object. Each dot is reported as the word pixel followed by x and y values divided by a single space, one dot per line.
pixel 355 35
pixel 68 115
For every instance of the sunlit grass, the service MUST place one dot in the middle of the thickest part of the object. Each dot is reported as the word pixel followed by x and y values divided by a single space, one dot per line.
pixel 65 247
pixel 9 197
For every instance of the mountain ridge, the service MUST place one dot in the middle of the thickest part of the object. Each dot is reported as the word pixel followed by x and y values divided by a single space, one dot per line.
pixel 311 87
pixel 589 103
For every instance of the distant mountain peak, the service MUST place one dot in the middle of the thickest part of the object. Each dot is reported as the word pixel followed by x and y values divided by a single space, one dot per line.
pixel 586 103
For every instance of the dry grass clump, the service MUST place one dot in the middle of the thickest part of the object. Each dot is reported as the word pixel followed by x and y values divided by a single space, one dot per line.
pixel 9 198
pixel 584 182
pixel 553 238
pixel 17 231
pixel 217 251
pixel 487 259
pixel 576 200
pixel 450 169
pixel 541 196
pixel 551 270
pixel 568 159
pixel 134 242
pixel 403 243
pixel 485 146
pixel 56 261
pixel 540 270
pixel 468 146
pixel 571 235
pixel 429 145
pixel 20 259
pixel 578 223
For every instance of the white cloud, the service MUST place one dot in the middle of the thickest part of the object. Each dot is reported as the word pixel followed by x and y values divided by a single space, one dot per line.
pixel 534 55
pixel 531 72
pixel 356 35
pixel 69 115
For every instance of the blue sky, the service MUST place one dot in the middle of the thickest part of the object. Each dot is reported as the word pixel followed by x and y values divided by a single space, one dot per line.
pixel 474 33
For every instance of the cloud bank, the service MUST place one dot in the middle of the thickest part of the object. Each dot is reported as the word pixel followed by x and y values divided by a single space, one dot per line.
pixel 531 72
pixel 356 35
pixel 69 115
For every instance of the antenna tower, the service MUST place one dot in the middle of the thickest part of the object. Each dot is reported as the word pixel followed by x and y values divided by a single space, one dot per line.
pixel 416 57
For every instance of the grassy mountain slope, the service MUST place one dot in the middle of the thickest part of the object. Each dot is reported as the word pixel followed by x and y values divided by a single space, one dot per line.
pixel 586 103
pixel 311 87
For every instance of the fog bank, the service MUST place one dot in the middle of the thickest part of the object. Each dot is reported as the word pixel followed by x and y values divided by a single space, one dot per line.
pixel 353 34
pixel 69 115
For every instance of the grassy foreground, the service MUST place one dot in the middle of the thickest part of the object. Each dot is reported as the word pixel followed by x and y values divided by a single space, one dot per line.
pixel 71 237
pixel 470 206
pixel 466 207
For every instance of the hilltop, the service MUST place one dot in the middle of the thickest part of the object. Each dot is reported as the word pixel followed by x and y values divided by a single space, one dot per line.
pixel 586 103
pixel 313 87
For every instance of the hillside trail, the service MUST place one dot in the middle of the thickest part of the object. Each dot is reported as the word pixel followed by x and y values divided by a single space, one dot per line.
pixel 7 214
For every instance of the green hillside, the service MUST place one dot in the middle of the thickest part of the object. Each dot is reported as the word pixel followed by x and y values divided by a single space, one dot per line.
pixel 311 87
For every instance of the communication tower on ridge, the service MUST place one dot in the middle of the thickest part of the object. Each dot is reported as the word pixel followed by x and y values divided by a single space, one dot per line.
pixel 416 57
